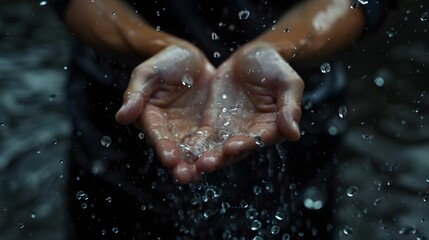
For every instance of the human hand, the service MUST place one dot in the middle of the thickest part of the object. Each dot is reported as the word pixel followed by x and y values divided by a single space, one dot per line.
pixel 255 100
pixel 165 98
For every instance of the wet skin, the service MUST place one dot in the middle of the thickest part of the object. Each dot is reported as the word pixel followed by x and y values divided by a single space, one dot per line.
pixel 177 98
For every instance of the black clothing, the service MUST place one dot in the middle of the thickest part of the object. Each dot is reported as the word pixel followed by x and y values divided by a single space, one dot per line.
pixel 121 191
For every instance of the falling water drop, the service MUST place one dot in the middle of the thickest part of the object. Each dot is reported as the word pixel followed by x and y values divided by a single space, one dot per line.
pixel 52 97
pixel 325 67
pixel 105 141
pixel 351 191
pixel 256 224
pixel 424 16
pixel 342 111
pixel 215 36
pixel 275 229
pixel 244 14
pixel 347 230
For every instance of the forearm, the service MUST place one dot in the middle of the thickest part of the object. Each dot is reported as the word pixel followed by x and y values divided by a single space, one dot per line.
pixel 314 30
pixel 112 26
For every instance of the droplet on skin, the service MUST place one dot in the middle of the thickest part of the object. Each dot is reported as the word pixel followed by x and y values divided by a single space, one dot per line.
pixel 187 81
pixel 287 29
pixel 243 14
pixel 258 141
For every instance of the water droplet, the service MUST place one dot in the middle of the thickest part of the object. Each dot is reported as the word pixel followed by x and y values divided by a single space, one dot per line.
pixel 243 14
pixel 226 234
pixel 286 236
pixel 215 36
pixel 378 200
pixel 65 68
pixel 52 97
pixel 21 225
pixel 314 198
pixel 347 230
pixel 43 3
pixel 225 205
pixel 354 4
pixel 287 29
pixel 81 195
pixel 325 67
pixel 257 190
pixel 33 215
pixel 103 232
pixel 363 2
pixel 158 28
pixel 252 213
pixel 216 55
pixel 115 230
pixel 187 81
pixel 2 124
pixel 109 199
pixel 105 141
pixel 379 81
pixel 342 111
pixel 258 141
pixel 280 214
pixel 143 207
pixel 407 230
pixel 424 16
pixel 257 238
pixel 83 205
pixel 351 191
pixel 275 229
pixel 256 224
pixel 141 135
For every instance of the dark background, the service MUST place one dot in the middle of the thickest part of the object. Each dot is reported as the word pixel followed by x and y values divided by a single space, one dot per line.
pixel 385 153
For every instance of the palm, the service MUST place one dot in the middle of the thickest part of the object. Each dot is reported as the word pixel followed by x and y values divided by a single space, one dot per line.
pixel 165 97
pixel 254 100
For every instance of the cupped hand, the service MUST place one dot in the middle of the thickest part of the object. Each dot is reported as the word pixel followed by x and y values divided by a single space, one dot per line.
pixel 254 100
pixel 165 98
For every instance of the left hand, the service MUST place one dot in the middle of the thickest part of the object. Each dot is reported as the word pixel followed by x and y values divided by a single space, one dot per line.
pixel 254 100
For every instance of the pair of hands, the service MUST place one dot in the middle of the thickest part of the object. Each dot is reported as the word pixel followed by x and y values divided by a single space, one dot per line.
pixel 200 119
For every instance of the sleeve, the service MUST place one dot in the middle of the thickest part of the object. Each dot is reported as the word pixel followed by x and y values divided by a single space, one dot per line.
pixel 375 12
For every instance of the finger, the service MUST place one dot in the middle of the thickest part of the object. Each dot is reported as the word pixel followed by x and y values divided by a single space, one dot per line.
pixel 289 97
pixel 182 172
pixel 259 136
pixel 142 85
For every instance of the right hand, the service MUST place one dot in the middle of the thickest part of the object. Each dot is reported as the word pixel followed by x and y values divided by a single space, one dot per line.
pixel 165 98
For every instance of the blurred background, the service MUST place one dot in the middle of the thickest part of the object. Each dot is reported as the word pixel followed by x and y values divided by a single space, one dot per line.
pixel 383 188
